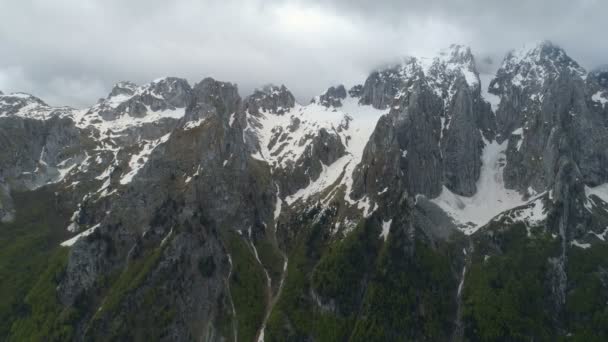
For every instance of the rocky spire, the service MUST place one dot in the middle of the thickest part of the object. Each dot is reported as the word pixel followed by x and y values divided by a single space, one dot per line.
pixel 270 98
pixel 333 96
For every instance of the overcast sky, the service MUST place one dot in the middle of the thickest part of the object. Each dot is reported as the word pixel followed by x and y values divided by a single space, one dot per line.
pixel 71 52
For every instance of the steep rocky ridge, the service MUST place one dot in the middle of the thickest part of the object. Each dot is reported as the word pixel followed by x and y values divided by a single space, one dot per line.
pixel 390 210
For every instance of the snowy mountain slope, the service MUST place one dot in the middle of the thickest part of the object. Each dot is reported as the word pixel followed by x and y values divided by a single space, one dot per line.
pixel 428 178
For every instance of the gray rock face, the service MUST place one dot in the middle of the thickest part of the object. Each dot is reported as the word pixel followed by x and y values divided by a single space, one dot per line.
pixel 199 177
pixel 213 98
pixel 324 149
pixel 404 141
pixel 381 87
pixel 546 113
pixel 11 104
pixel 525 78
pixel 126 98
pixel 123 88
pixel 7 208
pixel 463 118
pixel 201 181
pixel 333 97
pixel 462 143
pixel 356 91
pixel 34 150
pixel 273 99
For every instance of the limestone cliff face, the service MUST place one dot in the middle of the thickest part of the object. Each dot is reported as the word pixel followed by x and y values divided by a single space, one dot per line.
pixel 199 206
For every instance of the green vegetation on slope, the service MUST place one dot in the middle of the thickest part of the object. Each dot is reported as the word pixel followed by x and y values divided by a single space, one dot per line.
pixel 505 295
pixel 411 296
pixel 369 290
pixel 587 298
pixel 293 317
pixel 45 318
pixel 247 287
pixel 28 246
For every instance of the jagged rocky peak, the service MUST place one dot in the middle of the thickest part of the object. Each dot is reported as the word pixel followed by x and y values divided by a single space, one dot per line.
pixel 333 96
pixel 123 88
pixel 531 76
pixel 597 82
pixel 600 75
pixel 175 91
pixel 168 95
pixel 29 106
pixel 453 65
pixel 271 99
pixel 211 97
pixel 356 91
pixel 21 99
pixel 548 119
pixel 533 65
pixel 437 118
pixel 381 88
pixel 458 54
pixel 441 71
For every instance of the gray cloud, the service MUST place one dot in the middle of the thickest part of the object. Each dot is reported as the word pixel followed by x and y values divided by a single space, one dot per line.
pixel 72 51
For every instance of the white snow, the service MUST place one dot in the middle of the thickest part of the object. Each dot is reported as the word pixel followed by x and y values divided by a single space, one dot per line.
pixel 493 100
pixel 278 206
pixel 193 124
pixel 580 244
pixel 491 198
pixel 602 236
pixel 599 97
pixel 231 121
pixel 107 127
pixel 139 160
pixel 360 120
pixel 73 240
pixel 600 191
pixel 386 227
pixel 461 284
pixel 532 214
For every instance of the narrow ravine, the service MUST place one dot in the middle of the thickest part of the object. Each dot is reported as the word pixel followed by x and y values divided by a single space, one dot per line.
pixel 272 300
pixel 458 334
pixel 234 321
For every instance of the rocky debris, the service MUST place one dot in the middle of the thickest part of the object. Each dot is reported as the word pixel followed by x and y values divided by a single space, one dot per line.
pixel 333 96
pixel 271 99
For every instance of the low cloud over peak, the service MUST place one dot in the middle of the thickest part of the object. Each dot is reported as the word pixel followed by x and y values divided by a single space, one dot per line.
pixel 71 52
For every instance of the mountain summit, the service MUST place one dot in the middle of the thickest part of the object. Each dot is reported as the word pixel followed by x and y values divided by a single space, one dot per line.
pixel 420 204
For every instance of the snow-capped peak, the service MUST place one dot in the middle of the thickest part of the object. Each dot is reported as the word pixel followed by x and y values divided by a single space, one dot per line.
pixel 536 62
pixel 270 98
pixel 28 106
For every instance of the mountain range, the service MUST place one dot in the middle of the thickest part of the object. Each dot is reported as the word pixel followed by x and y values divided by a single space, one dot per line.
pixel 427 203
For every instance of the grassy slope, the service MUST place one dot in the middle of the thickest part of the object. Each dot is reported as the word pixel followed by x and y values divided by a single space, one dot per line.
pixel 30 260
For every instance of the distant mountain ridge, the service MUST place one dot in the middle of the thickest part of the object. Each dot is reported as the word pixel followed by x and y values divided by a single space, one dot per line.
pixel 421 204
